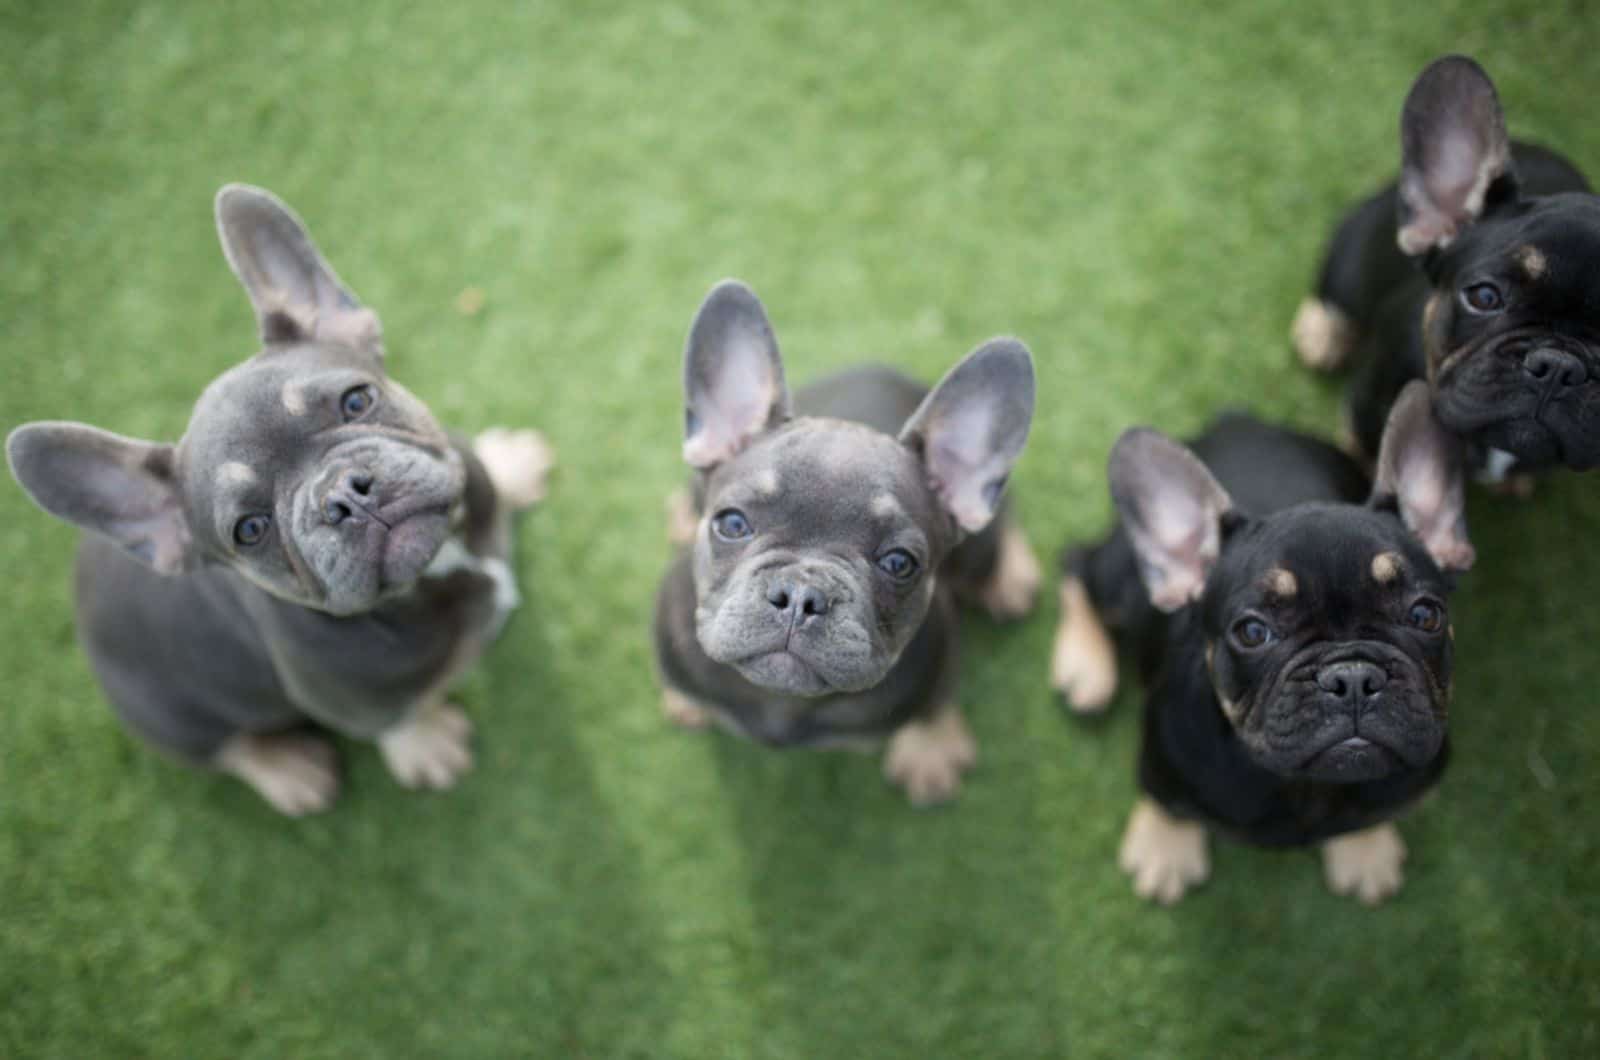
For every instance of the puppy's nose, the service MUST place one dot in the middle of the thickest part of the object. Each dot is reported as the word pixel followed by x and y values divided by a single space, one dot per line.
pixel 347 497
pixel 1353 682
pixel 1554 369
pixel 800 601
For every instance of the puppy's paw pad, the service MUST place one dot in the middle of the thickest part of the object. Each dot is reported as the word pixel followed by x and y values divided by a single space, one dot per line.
pixel 1322 335
pixel 1083 661
pixel 1013 588
pixel 431 749
pixel 1365 865
pixel 1165 856
pixel 928 758
pixel 682 522
pixel 518 463
pixel 297 773
pixel 681 710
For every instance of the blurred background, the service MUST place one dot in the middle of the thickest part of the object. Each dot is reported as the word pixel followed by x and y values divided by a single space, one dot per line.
pixel 534 197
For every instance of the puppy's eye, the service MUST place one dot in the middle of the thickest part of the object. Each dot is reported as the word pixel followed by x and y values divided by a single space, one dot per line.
pixel 1251 632
pixel 251 529
pixel 731 525
pixel 1426 616
pixel 357 402
pixel 898 564
pixel 1482 298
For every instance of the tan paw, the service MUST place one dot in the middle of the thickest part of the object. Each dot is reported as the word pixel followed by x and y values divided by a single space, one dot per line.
pixel 1165 856
pixel 681 710
pixel 430 749
pixel 296 772
pixel 1519 486
pixel 927 758
pixel 682 521
pixel 518 463
pixel 1365 864
pixel 1083 662
pixel 1012 589
pixel 1322 334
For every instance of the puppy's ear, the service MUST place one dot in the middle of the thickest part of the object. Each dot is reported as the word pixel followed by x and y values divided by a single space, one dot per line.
pixel 1453 149
pixel 296 294
pixel 732 376
pixel 1421 466
pixel 119 487
pixel 971 428
pixel 1172 508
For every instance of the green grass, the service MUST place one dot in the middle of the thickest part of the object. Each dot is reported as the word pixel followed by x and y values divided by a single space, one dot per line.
pixel 1139 191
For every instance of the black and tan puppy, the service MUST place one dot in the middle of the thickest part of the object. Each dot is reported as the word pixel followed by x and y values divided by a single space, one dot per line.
pixel 812 606
pixel 1476 272
pixel 1292 633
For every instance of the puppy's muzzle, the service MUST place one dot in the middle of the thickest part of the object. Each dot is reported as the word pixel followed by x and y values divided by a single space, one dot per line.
pixel 348 496
pixel 798 601
pixel 1553 371
pixel 1352 685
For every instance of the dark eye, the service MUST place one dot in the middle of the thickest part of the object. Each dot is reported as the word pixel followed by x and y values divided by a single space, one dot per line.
pixel 1482 298
pixel 898 564
pixel 357 402
pixel 731 525
pixel 1426 616
pixel 1250 633
pixel 251 529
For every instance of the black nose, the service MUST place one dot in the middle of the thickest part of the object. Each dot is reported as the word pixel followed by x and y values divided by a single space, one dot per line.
pixel 1352 683
pixel 344 499
pixel 807 600
pixel 1554 369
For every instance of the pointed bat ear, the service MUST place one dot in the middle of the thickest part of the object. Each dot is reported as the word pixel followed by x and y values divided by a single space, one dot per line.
pixel 1172 507
pixel 120 487
pixel 733 384
pixel 1422 466
pixel 1453 148
pixel 296 294
pixel 970 429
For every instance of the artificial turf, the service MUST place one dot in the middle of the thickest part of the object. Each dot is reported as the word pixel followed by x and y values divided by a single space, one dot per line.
pixel 1138 190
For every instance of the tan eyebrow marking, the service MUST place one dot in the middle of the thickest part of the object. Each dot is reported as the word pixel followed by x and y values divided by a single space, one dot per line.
pixel 885 506
pixel 767 483
pixel 236 475
pixel 1386 567
pixel 294 398
pixel 1281 583
pixel 1533 261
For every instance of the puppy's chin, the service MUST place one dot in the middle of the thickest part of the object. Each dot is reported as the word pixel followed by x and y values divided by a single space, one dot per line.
pixel 1351 761
pixel 410 545
pixel 785 672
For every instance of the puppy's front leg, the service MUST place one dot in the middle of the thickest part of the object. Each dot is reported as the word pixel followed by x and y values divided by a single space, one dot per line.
pixel 928 756
pixel 296 772
pixel 431 748
pixel 1365 864
pixel 1164 855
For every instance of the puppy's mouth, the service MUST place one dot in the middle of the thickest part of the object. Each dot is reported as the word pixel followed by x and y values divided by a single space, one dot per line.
pixel 410 541
pixel 783 671
pixel 1351 760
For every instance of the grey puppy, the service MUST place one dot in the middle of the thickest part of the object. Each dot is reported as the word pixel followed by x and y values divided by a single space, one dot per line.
pixel 314 554
pixel 813 606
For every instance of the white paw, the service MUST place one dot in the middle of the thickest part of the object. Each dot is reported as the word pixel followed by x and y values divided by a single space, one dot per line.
pixel 1365 864
pixel 1083 662
pixel 682 522
pixel 430 749
pixel 1322 335
pixel 927 758
pixel 1014 586
pixel 1165 856
pixel 296 772
pixel 681 710
pixel 518 463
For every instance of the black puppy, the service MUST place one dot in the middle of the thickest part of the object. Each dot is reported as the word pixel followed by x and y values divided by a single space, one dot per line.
pixel 1485 289
pixel 1294 640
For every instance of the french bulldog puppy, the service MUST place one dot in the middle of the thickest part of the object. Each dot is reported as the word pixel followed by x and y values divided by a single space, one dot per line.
pixel 1292 633
pixel 1475 272
pixel 315 554
pixel 813 605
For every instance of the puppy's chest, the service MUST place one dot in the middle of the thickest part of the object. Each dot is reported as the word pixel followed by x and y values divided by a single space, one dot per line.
pixel 490 576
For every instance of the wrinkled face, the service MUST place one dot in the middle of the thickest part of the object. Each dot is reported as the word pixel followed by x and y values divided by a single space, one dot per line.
pixel 815 563
pixel 1329 645
pixel 317 478
pixel 1512 332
